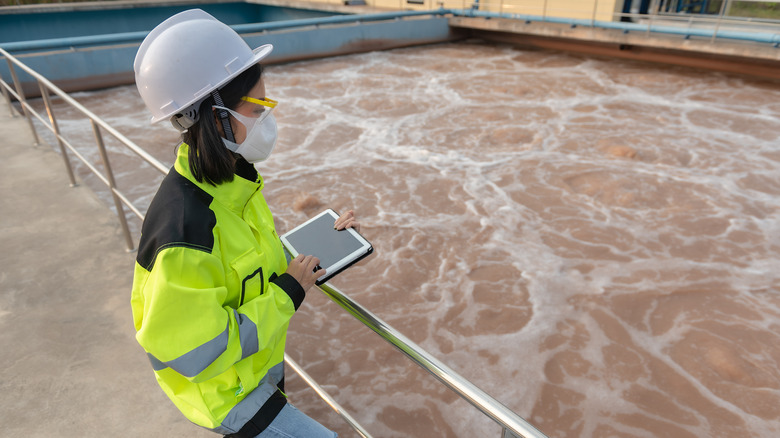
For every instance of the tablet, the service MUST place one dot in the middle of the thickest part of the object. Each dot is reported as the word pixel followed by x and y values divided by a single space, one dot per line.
pixel 337 250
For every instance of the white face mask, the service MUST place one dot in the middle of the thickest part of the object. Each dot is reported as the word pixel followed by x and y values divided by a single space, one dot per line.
pixel 260 136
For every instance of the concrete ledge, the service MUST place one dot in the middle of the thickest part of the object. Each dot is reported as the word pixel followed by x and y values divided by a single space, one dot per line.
pixel 760 60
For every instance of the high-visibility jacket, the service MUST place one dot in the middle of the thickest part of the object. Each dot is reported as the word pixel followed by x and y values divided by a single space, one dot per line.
pixel 211 301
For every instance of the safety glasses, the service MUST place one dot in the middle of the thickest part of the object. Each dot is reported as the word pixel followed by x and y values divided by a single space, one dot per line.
pixel 270 103
pixel 248 122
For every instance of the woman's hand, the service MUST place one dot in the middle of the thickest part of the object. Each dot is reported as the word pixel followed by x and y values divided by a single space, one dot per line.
pixel 347 220
pixel 302 269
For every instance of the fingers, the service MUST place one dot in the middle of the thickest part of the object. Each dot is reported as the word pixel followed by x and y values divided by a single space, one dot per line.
pixel 344 219
pixel 347 220
pixel 302 268
pixel 310 264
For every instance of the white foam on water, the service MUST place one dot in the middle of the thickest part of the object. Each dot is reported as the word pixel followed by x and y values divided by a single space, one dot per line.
pixel 593 242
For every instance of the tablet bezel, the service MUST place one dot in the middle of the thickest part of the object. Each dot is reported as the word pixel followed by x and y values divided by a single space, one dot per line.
pixel 345 261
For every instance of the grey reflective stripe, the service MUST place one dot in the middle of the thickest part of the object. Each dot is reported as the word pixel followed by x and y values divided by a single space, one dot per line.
pixel 157 365
pixel 194 362
pixel 247 331
pixel 275 373
pixel 248 407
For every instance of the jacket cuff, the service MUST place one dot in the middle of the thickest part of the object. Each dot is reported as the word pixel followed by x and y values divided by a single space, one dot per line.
pixel 291 287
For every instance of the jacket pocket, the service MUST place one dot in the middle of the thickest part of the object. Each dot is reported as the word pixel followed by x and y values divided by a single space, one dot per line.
pixel 249 272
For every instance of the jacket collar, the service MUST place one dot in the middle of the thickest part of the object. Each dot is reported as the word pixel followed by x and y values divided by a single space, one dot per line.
pixel 233 195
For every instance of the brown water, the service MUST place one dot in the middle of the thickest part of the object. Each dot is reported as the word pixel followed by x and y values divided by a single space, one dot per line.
pixel 593 242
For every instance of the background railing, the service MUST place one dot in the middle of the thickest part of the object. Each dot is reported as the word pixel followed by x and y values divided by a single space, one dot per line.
pixel 605 14
pixel 660 12
pixel 512 424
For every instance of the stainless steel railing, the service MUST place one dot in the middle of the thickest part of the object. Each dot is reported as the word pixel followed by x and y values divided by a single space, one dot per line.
pixel 513 426
pixel 98 127
pixel 120 200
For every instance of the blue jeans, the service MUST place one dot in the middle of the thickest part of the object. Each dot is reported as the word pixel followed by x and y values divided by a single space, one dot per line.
pixel 292 423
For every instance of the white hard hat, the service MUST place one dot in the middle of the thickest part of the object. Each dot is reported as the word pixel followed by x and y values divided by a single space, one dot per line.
pixel 185 58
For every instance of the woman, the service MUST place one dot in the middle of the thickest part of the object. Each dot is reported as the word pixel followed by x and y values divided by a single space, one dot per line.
pixel 213 292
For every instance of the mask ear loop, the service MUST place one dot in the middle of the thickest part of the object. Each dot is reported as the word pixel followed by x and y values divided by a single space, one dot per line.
pixel 224 117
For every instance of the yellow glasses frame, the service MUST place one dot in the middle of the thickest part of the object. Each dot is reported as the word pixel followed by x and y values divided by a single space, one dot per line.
pixel 270 103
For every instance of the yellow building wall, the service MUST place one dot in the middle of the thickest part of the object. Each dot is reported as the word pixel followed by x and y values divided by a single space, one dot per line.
pixel 604 9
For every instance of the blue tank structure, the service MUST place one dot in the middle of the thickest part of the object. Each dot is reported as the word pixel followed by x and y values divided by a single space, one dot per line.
pixel 93 48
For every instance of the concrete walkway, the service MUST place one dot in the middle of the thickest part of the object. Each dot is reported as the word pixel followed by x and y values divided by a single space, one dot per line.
pixel 70 364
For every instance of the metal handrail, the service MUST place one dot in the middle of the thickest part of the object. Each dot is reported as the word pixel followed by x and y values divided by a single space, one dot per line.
pixel 100 122
pixel 326 397
pixel 712 32
pixel 98 126
pixel 512 424
pixel 108 179
pixel 510 421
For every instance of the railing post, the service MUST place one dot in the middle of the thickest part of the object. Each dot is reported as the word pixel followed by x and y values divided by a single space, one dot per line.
pixel 326 397
pixel 720 18
pixel 508 434
pixel 650 24
pixel 593 17
pixel 728 8
pixel 651 20
pixel 120 211
pixel 22 100
pixel 56 129
pixel 11 111
pixel 544 11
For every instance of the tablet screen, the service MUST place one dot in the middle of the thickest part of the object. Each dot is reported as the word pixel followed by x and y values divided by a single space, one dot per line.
pixel 335 249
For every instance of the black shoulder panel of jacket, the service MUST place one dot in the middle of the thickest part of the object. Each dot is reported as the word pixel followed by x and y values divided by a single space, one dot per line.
pixel 179 215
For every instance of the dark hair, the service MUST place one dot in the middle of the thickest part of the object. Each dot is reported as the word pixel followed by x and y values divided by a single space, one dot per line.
pixel 209 159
